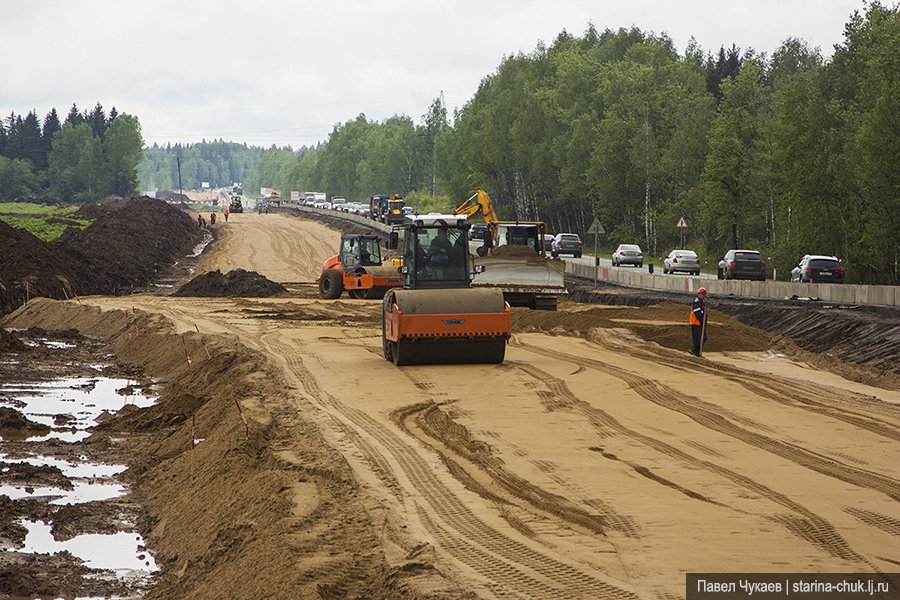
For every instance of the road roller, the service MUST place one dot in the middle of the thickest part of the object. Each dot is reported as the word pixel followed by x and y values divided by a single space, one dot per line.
pixel 358 269
pixel 437 317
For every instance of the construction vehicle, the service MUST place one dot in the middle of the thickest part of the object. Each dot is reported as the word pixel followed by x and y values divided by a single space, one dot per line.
pixel 358 268
pixel 386 209
pixel 394 214
pixel 515 257
pixel 237 205
pixel 275 199
pixel 437 317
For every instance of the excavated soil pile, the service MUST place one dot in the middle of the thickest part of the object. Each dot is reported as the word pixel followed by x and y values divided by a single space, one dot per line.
pixel 865 335
pixel 236 283
pixel 665 324
pixel 868 336
pixel 126 247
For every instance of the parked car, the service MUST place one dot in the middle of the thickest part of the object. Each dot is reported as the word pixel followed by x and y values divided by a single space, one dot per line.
pixel 742 264
pixel 686 261
pixel 566 243
pixel 628 254
pixel 814 268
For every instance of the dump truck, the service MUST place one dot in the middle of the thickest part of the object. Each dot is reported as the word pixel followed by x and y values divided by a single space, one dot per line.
pixel 358 269
pixel 514 257
pixel 437 316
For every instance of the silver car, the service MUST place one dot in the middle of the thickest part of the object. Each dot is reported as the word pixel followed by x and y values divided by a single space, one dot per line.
pixel 682 260
pixel 628 254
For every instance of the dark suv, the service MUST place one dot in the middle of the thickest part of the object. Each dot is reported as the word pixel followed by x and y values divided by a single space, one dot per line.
pixel 818 269
pixel 566 243
pixel 742 264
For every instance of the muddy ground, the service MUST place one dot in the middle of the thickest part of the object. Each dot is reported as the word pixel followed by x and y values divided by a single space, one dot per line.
pixel 51 356
pixel 600 460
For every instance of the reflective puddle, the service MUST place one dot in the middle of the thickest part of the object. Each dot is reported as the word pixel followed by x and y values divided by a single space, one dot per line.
pixel 70 407
pixel 121 552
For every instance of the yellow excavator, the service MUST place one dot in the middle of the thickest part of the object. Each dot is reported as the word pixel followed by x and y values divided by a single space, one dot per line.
pixel 514 257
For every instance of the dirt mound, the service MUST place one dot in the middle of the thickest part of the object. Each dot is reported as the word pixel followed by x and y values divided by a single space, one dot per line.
pixel 665 324
pixel 508 251
pixel 128 244
pixel 235 283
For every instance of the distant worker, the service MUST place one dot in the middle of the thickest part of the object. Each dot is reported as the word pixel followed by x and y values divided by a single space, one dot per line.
pixel 212 218
pixel 200 221
pixel 698 322
pixel 226 215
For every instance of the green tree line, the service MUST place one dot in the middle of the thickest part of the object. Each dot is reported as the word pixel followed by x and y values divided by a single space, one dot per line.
pixel 218 162
pixel 788 154
pixel 86 157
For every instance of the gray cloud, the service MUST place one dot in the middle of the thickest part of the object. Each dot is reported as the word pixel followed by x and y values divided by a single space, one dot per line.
pixel 284 72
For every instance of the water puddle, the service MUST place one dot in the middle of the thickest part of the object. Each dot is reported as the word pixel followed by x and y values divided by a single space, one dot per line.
pixel 71 406
pixel 121 552
pixel 64 488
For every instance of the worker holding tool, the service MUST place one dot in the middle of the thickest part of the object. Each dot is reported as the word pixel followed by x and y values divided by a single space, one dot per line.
pixel 698 322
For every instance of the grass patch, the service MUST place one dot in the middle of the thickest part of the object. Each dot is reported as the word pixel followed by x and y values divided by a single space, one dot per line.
pixel 46 222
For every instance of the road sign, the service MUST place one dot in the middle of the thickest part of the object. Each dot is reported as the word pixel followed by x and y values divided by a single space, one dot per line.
pixel 682 224
pixel 596 228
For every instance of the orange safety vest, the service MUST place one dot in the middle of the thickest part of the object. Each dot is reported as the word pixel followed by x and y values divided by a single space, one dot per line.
pixel 694 319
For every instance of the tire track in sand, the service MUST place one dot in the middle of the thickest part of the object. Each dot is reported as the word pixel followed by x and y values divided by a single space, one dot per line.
pixel 512 567
pixel 709 416
pixel 808 526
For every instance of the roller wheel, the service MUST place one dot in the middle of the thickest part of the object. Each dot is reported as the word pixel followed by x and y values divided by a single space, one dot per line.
pixel 331 284
pixel 387 347
pixel 357 294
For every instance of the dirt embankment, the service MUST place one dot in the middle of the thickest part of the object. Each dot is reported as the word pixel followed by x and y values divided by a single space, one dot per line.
pixel 248 498
pixel 130 242
pixel 864 339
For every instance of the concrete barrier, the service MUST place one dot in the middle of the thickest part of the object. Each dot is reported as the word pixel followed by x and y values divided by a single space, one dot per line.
pixel 353 218
pixel 881 295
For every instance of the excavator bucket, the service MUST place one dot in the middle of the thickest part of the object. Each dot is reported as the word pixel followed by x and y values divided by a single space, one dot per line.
pixel 446 326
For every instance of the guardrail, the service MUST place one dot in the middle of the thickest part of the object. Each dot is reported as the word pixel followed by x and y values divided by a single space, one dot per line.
pixel 882 295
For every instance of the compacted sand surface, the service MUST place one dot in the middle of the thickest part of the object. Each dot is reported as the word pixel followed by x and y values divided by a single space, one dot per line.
pixel 600 460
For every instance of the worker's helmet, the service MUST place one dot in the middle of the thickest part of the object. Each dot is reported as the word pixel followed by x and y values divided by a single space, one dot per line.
pixel 701 290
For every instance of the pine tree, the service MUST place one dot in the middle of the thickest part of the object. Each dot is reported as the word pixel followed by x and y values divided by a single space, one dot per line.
pixel 32 146
pixel 113 113
pixel 96 119
pixel 51 126
pixel 3 138
pixel 74 117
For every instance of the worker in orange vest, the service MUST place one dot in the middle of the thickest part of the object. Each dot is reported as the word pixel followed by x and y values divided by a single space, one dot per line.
pixel 698 322
pixel 226 215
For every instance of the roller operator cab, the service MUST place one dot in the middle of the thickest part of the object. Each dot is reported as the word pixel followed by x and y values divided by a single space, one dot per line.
pixel 358 269
pixel 437 317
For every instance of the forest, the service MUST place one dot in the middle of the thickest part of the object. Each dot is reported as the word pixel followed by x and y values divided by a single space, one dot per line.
pixel 218 163
pixel 790 154
pixel 86 157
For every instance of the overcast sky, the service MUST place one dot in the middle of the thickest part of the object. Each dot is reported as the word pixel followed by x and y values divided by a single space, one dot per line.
pixel 284 72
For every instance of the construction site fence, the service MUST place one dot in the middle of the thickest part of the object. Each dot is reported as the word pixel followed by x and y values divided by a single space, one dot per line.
pixel 882 295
